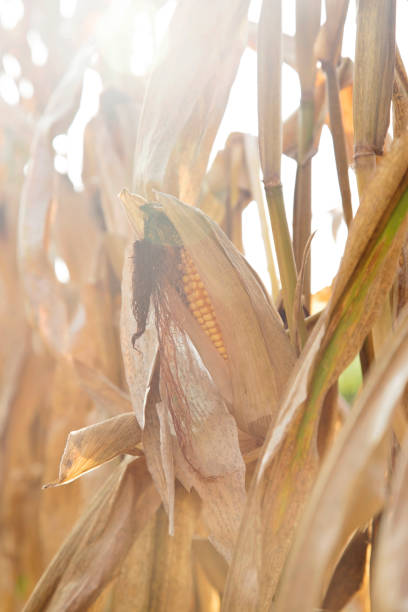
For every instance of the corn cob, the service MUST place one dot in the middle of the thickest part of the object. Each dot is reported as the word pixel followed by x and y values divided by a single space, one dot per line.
pixel 199 302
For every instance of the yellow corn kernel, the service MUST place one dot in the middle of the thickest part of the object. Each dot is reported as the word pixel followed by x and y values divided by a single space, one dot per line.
pixel 199 302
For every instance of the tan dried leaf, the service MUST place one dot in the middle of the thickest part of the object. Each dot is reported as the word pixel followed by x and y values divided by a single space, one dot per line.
pixel 159 571
pixel 389 586
pixel 112 400
pixel 100 540
pixel 351 486
pixel 289 462
pixel 173 147
pixel 90 447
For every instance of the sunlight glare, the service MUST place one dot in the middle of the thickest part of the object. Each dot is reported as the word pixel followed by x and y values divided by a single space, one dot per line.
pixel 39 51
pixel 9 90
pixel 88 107
pixel 142 45
pixel 61 271
pixel 11 12
pixel 67 8
pixel 11 65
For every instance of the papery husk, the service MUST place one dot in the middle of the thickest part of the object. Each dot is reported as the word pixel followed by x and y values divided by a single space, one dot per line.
pixel 183 411
pixel 158 445
pixel 101 539
pixel 193 436
pixel 258 367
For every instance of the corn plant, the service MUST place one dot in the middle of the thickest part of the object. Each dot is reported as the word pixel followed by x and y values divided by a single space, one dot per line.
pixel 207 460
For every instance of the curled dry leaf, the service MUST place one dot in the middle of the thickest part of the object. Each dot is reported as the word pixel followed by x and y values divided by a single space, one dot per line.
pixel 101 540
pixel 172 148
pixel 90 447
pixel 351 486
pixel 389 586
pixel 289 462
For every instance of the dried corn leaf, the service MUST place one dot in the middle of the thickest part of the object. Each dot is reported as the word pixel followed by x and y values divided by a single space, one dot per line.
pixel 399 97
pixel 95 341
pixel 67 409
pixel 90 447
pixel 289 463
pixel 349 573
pixel 389 586
pixel 101 540
pixel 207 596
pixel 75 231
pixel 112 400
pixel 173 147
pixel 351 486
pixel 22 458
pixel 158 574
pixel 212 563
